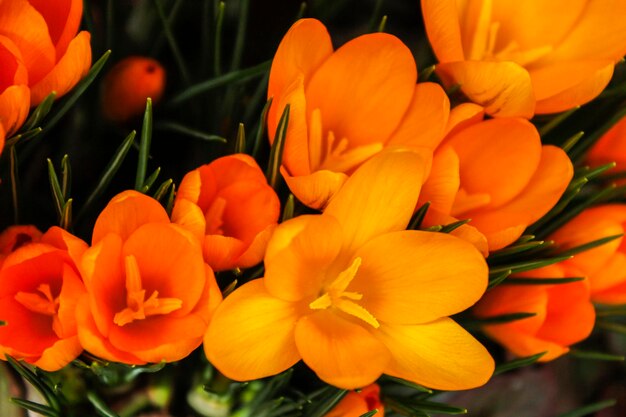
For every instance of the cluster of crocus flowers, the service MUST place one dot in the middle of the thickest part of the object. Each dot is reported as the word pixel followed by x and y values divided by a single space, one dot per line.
pixel 339 117
pixel 527 57
pixel 231 210
pixel 563 313
pixel 128 84
pixel 354 295
pixel 47 57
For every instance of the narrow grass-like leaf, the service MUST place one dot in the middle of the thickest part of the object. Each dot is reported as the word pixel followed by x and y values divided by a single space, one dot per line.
pixel 289 208
pixel 592 173
pixel 425 74
pixel 527 265
pixel 22 137
pixel 438 408
pixel 260 132
pixel 240 141
pixel 326 402
pixel 611 327
pixel 418 217
pixel 497 279
pixel 169 203
pixel 556 121
pixel 167 30
pixel 240 38
pixel 579 150
pixel 515 249
pixel 404 409
pixel 230 78
pixel 436 228
pixel 150 180
pixel 596 356
pixel 504 318
pixel 610 312
pixel 572 141
pixel 217 38
pixel 518 363
pixel 35 407
pixel 369 413
pixel 229 288
pixel 66 215
pixel 15 184
pixel 382 24
pixel 40 112
pixel 77 91
pixel 590 245
pixel 162 190
pixel 270 390
pixel 589 409
pixel 66 176
pixel 101 408
pixel 55 188
pixel 194 133
pixel 276 151
pixel 109 172
pixel 406 383
pixel 375 17
pixel 448 228
pixel 144 146
pixel 36 381
pixel 301 11
pixel 541 281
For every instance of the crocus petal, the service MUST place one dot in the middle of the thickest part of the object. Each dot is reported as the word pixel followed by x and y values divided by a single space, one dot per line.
pixel 466 232
pixel 63 18
pixel 14 106
pixel 222 252
pixel 404 281
pixel 189 216
pixel 68 71
pixel 66 241
pixel 611 274
pixel 555 78
pixel 463 115
pixel 256 251
pixel 425 121
pixel 263 344
pixel 504 89
pixel 303 49
pixel 2 139
pixel 59 354
pixel 125 213
pixel 443 181
pixel 25 332
pixel 612 296
pixel 444 33
pixel 522 344
pixel 393 181
pixel 340 352
pixel 440 355
pixel 577 95
pixel 296 252
pixel 367 105
pixel 315 190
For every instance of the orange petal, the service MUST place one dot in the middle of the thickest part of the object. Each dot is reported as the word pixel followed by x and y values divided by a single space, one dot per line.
pixel 466 232
pixel 511 148
pixel 256 251
pixel 236 168
pixel 463 115
pixel 523 344
pixel 72 289
pixel 298 251
pixel 504 89
pixel 441 19
pixel 426 119
pixel 64 240
pixel 611 274
pixel 126 212
pixel 25 332
pixel 68 71
pixel 63 18
pixel 440 355
pixel 59 354
pixel 14 106
pixel 190 217
pixel 302 50
pixel 412 277
pixel 222 252
pixel 443 182
pixel 365 106
pixel 315 190
pixel 251 334
pixel 340 352
pixel 368 206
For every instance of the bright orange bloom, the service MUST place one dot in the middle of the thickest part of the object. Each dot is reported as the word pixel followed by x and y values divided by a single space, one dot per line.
pixel 354 295
pixel 496 173
pixel 518 58
pixel 127 86
pixel 39 288
pixel 610 148
pixel 16 236
pixel 230 208
pixel 357 403
pixel 346 106
pixel 14 91
pixel 149 293
pixel 564 314
pixel 605 265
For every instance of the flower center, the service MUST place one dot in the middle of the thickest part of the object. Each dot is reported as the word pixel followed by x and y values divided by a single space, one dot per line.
pixel 332 154
pixel 214 217
pixel 41 301
pixel 137 306
pixel 335 295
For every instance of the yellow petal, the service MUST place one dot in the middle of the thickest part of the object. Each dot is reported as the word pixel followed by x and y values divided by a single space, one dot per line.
pixel 443 181
pixel 440 355
pixel 503 88
pixel 296 258
pixel 340 352
pixel 463 115
pixel 251 334
pixel 379 197
pixel 315 190
pixel 441 19
pixel 412 277
pixel 364 106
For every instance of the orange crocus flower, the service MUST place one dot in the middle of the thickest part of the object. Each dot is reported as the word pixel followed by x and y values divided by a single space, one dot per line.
pixel 16 236
pixel 230 208
pixel 605 265
pixel 496 173
pixel 357 403
pixel 39 287
pixel 518 58
pixel 55 56
pixel 346 106
pixel 611 147
pixel 127 86
pixel 354 295
pixel 564 314
pixel 149 292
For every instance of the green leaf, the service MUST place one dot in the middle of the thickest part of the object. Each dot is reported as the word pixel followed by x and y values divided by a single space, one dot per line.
pixel 579 150
pixel 40 112
pixel 448 228
pixel 498 278
pixel 516 249
pixel 439 408
pixel 404 409
pixel 590 245
pixel 101 408
pixel 425 74
pixel 217 37
pixel 150 181
pixel 289 208
pixel 15 184
pixel 240 141
pixel 369 413
pixel 162 190
pixel 55 188
pixel 596 356
pixel 527 265
pixel 66 176
pixel 258 137
pixel 588 410
pixel 66 215
pixel 406 383
pixel 611 327
pixel 556 121
pixel 276 151
pixel 35 407
pixel 418 217
pixel 504 318
pixel 39 382
pixel 518 363
pixel 187 131
pixel 167 30
pixel 382 24
pixel 329 398
pixel 240 38
pixel 541 281
pixel 169 204
pixel 22 137
pixel 144 146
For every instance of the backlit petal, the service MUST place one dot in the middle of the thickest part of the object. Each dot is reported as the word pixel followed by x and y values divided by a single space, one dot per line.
pixel 442 25
pixel 63 18
pixel 315 190
pixel 59 354
pixel 14 106
pixel 523 344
